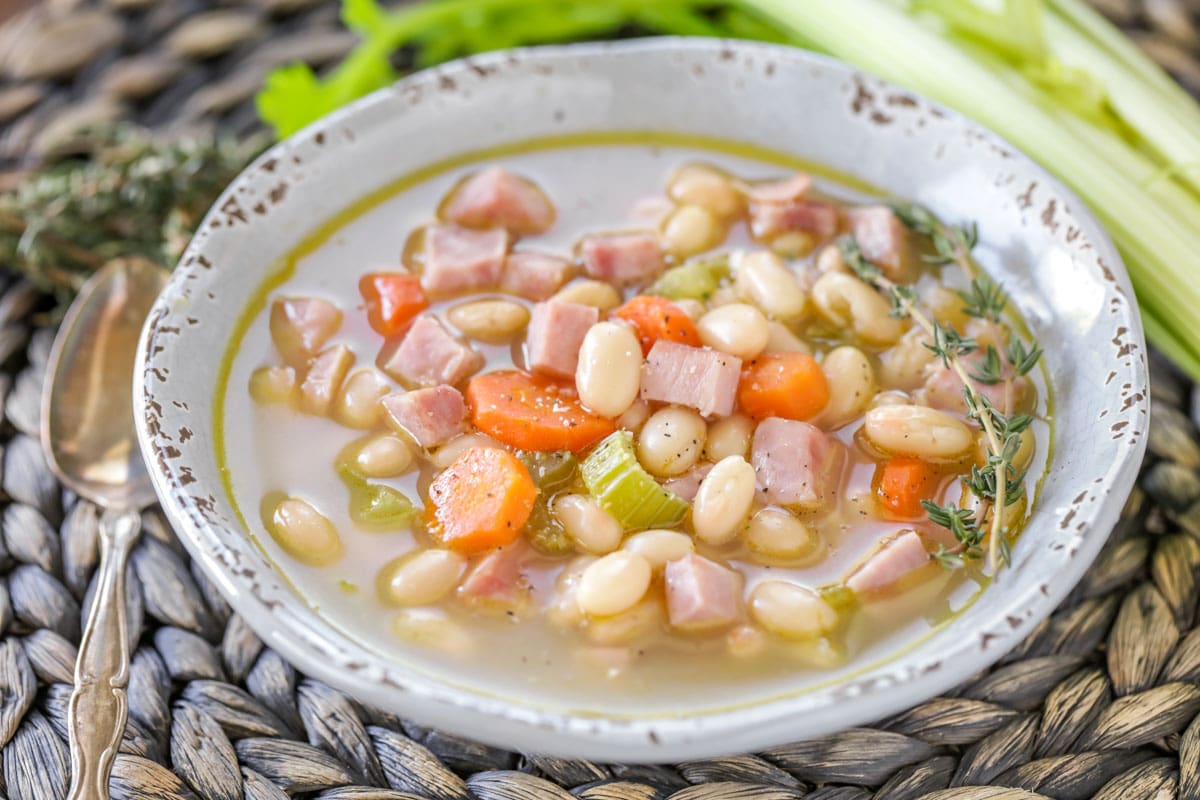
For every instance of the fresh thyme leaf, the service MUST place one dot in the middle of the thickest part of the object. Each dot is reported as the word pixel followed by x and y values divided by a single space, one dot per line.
pixel 989 370
pixel 985 299
pixel 1023 359
pixel 902 299
pixel 948 344
pixel 852 255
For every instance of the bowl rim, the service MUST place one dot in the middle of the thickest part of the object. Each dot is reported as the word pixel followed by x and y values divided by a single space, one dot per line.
pixel 513 723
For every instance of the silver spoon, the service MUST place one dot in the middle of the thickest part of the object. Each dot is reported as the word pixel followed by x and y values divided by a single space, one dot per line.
pixel 88 434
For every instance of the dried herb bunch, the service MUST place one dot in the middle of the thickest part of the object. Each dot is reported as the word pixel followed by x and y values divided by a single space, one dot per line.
pixel 129 195
pixel 999 483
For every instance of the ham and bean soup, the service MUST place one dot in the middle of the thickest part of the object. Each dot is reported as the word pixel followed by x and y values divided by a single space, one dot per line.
pixel 636 416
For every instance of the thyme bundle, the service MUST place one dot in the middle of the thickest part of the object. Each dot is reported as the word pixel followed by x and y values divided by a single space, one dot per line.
pixel 998 483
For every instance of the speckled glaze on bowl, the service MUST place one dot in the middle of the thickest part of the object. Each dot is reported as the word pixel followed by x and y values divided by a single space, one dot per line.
pixel 1036 237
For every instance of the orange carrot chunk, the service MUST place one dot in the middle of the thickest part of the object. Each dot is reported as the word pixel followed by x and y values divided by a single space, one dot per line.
pixel 392 300
pixel 787 385
pixel 901 484
pixel 533 412
pixel 481 500
pixel 655 318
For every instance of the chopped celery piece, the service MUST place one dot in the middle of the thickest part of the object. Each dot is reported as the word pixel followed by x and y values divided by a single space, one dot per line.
pixel 550 470
pixel 622 488
pixel 381 507
pixel 838 595
pixel 695 280
pixel 545 533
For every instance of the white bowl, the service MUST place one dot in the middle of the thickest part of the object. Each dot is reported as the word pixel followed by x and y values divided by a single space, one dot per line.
pixel 1037 238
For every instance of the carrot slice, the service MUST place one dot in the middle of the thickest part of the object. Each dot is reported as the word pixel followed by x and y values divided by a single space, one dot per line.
pixel 532 412
pixel 788 385
pixel 481 500
pixel 655 318
pixel 392 299
pixel 901 484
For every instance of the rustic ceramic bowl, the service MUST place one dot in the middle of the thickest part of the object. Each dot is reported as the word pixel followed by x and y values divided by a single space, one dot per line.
pixel 1037 238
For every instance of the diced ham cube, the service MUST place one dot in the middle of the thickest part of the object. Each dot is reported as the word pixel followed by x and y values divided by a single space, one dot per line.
pixel 429 355
pixel 300 327
pixel 462 260
pixel 701 594
pixel 555 334
pixel 497 577
pixel 703 379
pixel 944 388
pixel 687 484
pixel 496 197
pixel 797 465
pixel 887 566
pixel 623 258
pixel 768 220
pixel 430 416
pixel 883 240
pixel 534 276
pixel 781 191
pixel 324 378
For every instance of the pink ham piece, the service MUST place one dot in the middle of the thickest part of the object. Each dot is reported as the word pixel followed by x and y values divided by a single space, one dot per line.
pixel 944 388
pixel 687 484
pixel 324 378
pixel 883 240
pixel 797 465
pixel 768 220
pixel 430 416
pixel 496 197
pixel 462 260
pixel 697 377
pixel 555 334
pixel 781 191
pixel 534 276
pixel 497 577
pixel 887 566
pixel 428 355
pixel 701 594
pixel 623 258
pixel 300 327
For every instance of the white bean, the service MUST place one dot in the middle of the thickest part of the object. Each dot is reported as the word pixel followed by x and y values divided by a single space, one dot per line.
pixel 304 533
pixel 917 431
pixel 851 381
pixel 693 308
pixel 659 546
pixel 382 456
pixel 627 626
pixel 448 453
pixel 613 584
pixel 420 577
pixel 723 500
pixel 830 260
pixel 671 441
pixel 764 279
pixel 847 302
pixel 793 244
pixel 610 368
pixel 273 385
pixel 738 329
pixel 891 398
pixel 635 416
pixel 689 230
pixel 592 528
pixel 745 641
pixel 433 628
pixel 493 321
pixel 778 536
pixel 597 294
pixel 729 436
pixel 902 366
pixel 357 406
pixel 790 610
pixel 782 340
pixel 706 186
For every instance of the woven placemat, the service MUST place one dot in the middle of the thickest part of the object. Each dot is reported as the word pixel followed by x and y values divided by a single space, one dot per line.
pixel 1101 701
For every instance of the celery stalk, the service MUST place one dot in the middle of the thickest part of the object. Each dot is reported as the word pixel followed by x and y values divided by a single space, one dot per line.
pixel 695 280
pixel 617 481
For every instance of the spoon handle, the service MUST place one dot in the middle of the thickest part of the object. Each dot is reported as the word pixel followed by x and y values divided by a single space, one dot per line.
pixel 97 710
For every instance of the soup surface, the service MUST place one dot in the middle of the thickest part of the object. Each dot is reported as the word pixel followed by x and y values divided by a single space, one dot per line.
pixel 618 423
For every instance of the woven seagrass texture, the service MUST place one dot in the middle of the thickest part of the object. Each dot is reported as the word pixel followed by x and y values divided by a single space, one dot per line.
pixel 1103 700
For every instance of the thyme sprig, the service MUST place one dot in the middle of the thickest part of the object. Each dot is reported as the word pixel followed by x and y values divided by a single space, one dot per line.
pixel 998 483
